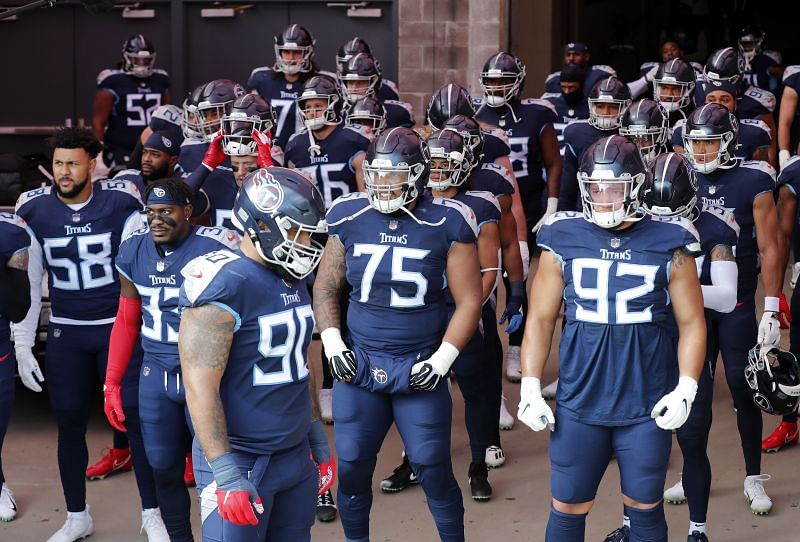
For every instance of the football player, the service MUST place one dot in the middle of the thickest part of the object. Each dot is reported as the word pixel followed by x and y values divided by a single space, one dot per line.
pixel 281 83
pixel 578 53
pixel 77 227
pixel 395 246
pixel 14 304
pixel 126 98
pixel 368 112
pixel 670 49
pixel 361 77
pixel 673 87
pixel 243 361
pixel 570 103
pixel 387 89
pixel 746 188
pixel 762 67
pixel 645 123
pixel 158 159
pixel 165 117
pixel 620 273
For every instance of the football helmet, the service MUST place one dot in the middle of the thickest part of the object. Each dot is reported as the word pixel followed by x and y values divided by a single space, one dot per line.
pixel 368 112
pixel 724 65
pixel 249 112
pixel 396 169
pixel 610 178
pixel 451 146
pixel 751 40
pixel 446 102
pixel 773 376
pixel 323 87
pixel 502 79
pixel 190 124
pixel 471 131
pixel 283 214
pixel 294 38
pixel 608 91
pixel 671 187
pixel 214 101
pixel 674 73
pixel 138 56
pixel 349 50
pixel 711 122
pixel 360 67
pixel 645 123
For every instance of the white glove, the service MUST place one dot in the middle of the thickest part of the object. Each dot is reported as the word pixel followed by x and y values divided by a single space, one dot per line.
pixel 795 274
pixel 533 411
pixel 426 374
pixel 341 360
pixel 673 409
pixel 650 75
pixel 526 258
pixel 769 330
pixel 552 205
pixel 28 367
pixel 783 158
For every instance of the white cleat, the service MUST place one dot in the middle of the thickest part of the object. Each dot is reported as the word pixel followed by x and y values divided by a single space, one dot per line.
pixel 675 494
pixel 495 457
pixel 513 369
pixel 8 506
pixel 549 391
pixel 506 419
pixel 326 405
pixel 78 526
pixel 153 526
pixel 760 503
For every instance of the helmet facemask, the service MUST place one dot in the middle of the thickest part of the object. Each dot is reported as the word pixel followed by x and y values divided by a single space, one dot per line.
pixel 353 94
pixel 189 122
pixel 672 103
pixel 390 187
pixel 455 171
pixel 607 200
pixel 607 122
pixel 500 87
pixel 328 114
pixel 139 64
pixel 650 139
pixel 708 162
pixel 295 65
pixel 209 118
pixel 237 133
pixel 376 123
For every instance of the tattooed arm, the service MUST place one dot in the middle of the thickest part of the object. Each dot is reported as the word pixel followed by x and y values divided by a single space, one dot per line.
pixel 687 305
pixel 204 343
pixel 15 288
pixel 328 286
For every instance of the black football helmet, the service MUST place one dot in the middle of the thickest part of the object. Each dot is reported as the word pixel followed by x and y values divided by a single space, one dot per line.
pixel 190 124
pixel 751 41
pixel 645 123
pixel 724 65
pixel 368 112
pixel 451 146
pixel 674 73
pixel 138 56
pixel 448 101
pixel 214 101
pixel 249 112
pixel 773 376
pixel 274 207
pixel 360 67
pixel 349 50
pixel 502 79
pixel 294 38
pixel 469 128
pixel 671 187
pixel 396 169
pixel 324 87
pixel 711 122
pixel 610 177
pixel 612 91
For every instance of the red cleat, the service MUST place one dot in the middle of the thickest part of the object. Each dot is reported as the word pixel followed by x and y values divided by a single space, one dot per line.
pixel 784 435
pixel 113 461
pixel 188 473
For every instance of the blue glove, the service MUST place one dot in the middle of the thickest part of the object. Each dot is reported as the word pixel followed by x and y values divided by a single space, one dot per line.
pixel 318 440
pixel 236 496
pixel 513 312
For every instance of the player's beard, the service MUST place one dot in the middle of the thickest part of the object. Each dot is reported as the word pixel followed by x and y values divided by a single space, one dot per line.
pixel 77 188
pixel 156 174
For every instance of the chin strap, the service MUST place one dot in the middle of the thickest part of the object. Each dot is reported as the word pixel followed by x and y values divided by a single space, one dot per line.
pixel 313 147
pixel 422 222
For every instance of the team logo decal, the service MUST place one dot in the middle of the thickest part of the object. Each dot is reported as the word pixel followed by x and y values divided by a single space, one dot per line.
pixel 379 375
pixel 76 217
pixel 56 333
pixel 762 402
pixel 167 143
pixel 267 194
pixel 712 189
pixel 615 242
pixel 158 191
pixel 145 371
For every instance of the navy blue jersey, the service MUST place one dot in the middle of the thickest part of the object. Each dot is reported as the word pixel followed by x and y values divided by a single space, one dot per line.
pixel 169 118
pixel 754 134
pixel 566 115
pixel 264 390
pixel 135 100
pixel 221 189
pixel 80 246
pixel 332 169
pixel 596 73
pixel 716 226
pixel 387 91
pixel 398 114
pixel 396 269
pixel 281 94
pixel 751 103
pixel 757 73
pixel 133 176
pixel 14 238
pixel 157 277
pixel 735 189
pixel 495 145
pixel 578 136
pixel 617 356
pixel 492 178
pixel 790 176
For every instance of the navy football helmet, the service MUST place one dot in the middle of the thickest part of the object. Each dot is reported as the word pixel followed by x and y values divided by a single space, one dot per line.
pixel 323 87
pixel 214 101
pixel 773 376
pixel 711 122
pixel 396 169
pixel 362 67
pixel 294 38
pixel 724 65
pixel 249 112
pixel 751 41
pixel 448 101
pixel 610 177
pixel 645 123
pixel 283 214
pixel 671 187
pixel 471 131
pixel 368 112
pixel 675 73
pixel 502 79
pixel 450 148
pixel 138 56
pixel 608 91
pixel 190 124
pixel 349 50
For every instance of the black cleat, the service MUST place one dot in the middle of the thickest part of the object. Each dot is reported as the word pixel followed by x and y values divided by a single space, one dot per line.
pixel 479 481
pixel 697 536
pixel 402 478
pixel 619 535
pixel 326 508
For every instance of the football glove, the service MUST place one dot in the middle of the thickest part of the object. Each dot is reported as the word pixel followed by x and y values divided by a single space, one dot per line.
pixel 237 498
pixel 341 360
pixel 426 374
pixel 215 156
pixel 769 330
pixel 672 411
pixel 112 406
pixel 533 411
pixel 513 312
pixel 28 367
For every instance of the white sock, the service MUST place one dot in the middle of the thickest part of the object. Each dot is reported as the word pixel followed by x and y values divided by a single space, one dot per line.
pixel 699 527
pixel 626 521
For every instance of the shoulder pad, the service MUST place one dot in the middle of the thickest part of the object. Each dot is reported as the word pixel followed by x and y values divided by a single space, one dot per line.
pixel 760 165
pixel 790 71
pixel 605 68
pixel 758 123
pixel 477 102
pixel 562 215
pixel 136 233
pixel 500 170
pixel 484 194
pixel 170 113
pixel 646 66
pixel 105 74
pixel 575 124
pixel 392 85
pixel 464 210
pixel 540 103
pixel 124 186
pixel 764 97
pixel 550 96
pixel 499 133
pixel 159 71
pixel 360 129
pixel 125 172
pixel 14 220
pixel 190 141
pixel 724 215
pixel 227 237
pixel 199 272
pixel 552 76
pixel 774 55
pixel 260 70
pixel 399 103
pixel 684 223
pixel 697 66
pixel 30 195
pixel 680 123
pixel 352 196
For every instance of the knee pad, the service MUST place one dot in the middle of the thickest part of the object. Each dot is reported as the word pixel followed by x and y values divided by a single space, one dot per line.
pixel 437 480
pixel 355 477
pixel 647 525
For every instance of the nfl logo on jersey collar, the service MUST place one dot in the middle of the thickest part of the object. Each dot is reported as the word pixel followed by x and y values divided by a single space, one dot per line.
pixel 161 266
pixel 393 224
pixel 615 242
pixel 76 217
pixel 712 189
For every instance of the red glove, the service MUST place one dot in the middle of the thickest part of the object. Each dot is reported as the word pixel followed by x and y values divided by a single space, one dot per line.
pixel 215 156
pixel 264 142
pixel 112 406
pixel 784 313
pixel 235 506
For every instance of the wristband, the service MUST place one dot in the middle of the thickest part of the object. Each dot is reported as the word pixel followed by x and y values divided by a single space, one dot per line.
pixel 771 304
